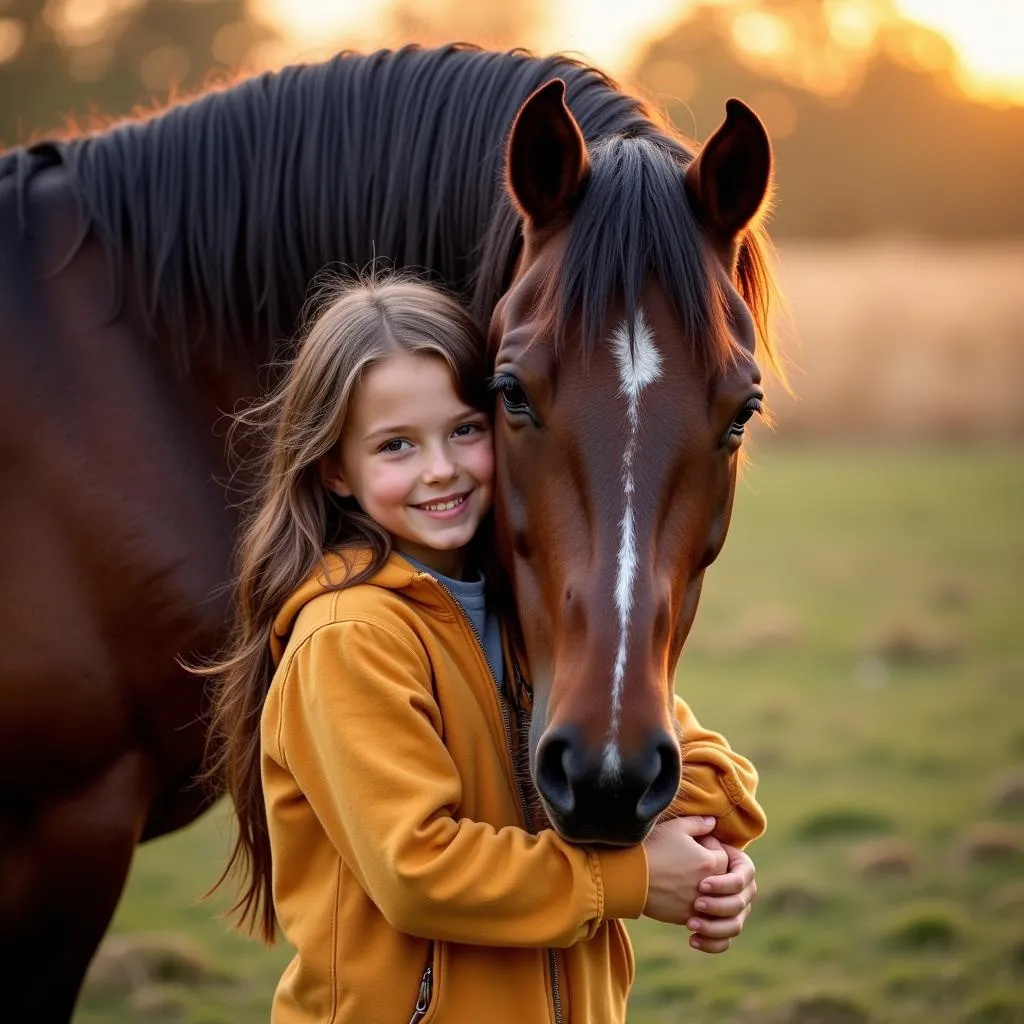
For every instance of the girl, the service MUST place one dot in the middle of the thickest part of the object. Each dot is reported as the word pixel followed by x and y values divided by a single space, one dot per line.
pixel 357 718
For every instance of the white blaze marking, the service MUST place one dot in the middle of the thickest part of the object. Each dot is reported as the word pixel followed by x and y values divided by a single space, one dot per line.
pixel 639 365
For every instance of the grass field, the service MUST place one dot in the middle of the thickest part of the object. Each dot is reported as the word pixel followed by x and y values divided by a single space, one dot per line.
pixel 902 338
pixel 862 639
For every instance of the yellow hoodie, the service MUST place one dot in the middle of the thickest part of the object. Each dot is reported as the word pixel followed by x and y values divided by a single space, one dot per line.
pixel 403 872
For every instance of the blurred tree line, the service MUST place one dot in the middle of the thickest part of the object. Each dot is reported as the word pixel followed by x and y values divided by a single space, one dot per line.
pixel 869 131
pixel 67 61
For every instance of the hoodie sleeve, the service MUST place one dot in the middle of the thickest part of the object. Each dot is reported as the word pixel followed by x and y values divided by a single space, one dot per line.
pixel 359 730
pixel 716 781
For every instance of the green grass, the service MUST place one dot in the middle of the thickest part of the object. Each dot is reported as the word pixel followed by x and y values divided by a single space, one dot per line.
pixel 861 639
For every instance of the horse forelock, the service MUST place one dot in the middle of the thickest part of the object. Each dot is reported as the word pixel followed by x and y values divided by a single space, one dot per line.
pixel 634 224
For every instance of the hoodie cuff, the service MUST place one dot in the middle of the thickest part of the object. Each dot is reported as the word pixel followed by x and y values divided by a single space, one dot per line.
pixel 623 879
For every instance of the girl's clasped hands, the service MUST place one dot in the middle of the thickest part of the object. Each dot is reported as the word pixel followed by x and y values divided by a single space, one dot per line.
pixel 697 881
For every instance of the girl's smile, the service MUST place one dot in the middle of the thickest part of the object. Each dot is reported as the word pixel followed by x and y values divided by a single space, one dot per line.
pixel 449 507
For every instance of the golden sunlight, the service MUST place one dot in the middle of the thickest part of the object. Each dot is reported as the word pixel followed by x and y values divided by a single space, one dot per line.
pixel 609 33
pixel 602 31
pixel 986 35
pixel 314 27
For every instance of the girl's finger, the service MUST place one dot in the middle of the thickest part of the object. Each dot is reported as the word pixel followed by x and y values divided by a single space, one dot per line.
pixel 730 884
pixel 719 927
pixel 722 885
pixel 706 945
pixel 721 906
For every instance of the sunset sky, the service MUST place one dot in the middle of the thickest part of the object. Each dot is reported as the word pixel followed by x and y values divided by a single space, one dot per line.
pixel 987 35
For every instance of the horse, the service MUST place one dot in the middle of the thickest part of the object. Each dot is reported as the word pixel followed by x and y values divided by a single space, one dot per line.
pixel 148 272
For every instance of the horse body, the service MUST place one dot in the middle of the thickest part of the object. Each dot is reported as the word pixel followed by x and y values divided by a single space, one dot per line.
pixel 145 274
pixel 116 542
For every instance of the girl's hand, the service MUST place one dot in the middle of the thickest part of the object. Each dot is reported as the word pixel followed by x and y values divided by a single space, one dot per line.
pixel 723 902
pixel 677 863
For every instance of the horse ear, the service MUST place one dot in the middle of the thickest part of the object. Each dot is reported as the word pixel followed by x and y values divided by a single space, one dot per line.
pixel 727 182
pixel 546 163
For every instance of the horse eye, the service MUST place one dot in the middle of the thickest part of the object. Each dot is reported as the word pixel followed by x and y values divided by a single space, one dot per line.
pixel 744 415
pixel 512 394
pixel 515 399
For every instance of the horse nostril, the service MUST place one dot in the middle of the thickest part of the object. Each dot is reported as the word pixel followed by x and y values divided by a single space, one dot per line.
pixel 552 776
pixel 665 780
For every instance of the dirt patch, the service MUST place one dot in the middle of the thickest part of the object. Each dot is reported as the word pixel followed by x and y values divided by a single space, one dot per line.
pixel 1006 794
pixel 792 901
pixel 140 965
pixel 916 643
pixel 823 1009
pixel 884 858
pixel 990 843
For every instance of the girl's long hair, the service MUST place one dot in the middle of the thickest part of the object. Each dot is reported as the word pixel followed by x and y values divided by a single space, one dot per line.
pixel 293 520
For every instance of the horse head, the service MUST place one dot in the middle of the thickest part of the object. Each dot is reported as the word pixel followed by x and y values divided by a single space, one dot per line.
pixel 624 359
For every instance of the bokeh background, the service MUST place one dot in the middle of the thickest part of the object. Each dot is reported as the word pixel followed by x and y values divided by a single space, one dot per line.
pixel 861 636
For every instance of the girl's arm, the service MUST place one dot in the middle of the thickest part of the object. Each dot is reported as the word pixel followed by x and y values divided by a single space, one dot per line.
pixel 359 730
pixel 716 781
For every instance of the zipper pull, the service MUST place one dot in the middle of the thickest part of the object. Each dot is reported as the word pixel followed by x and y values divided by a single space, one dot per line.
pixel 425 985
pixel 423 1000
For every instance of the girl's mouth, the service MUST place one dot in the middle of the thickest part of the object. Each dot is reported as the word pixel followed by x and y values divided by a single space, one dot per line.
pixel 445 507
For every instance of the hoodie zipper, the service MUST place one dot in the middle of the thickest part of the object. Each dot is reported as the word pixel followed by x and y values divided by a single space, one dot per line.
pixel 556 996
pixel 426 991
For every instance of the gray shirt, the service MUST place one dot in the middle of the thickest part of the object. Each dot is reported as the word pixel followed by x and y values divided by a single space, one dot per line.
pixel 473 601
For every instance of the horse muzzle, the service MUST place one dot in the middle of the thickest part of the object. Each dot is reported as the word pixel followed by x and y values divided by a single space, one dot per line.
pixel 602 795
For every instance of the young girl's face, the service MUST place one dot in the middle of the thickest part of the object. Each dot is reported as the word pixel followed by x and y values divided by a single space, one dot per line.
pixel 417 459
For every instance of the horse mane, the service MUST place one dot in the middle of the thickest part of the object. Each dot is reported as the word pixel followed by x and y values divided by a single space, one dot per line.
pixel 237 198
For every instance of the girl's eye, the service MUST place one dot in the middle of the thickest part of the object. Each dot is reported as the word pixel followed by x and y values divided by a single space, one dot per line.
pixel 396 444
pixel 465 429
pixel 513 396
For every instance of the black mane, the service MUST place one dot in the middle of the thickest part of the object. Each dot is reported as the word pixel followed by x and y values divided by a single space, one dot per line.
pixel 239 197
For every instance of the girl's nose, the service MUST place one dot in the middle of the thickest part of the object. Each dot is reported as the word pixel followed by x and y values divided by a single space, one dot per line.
pixel 439 465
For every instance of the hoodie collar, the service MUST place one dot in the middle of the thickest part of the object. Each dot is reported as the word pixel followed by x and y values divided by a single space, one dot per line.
pixel 395 574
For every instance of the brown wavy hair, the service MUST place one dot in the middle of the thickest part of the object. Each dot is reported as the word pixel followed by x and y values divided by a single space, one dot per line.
pixel 293 520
